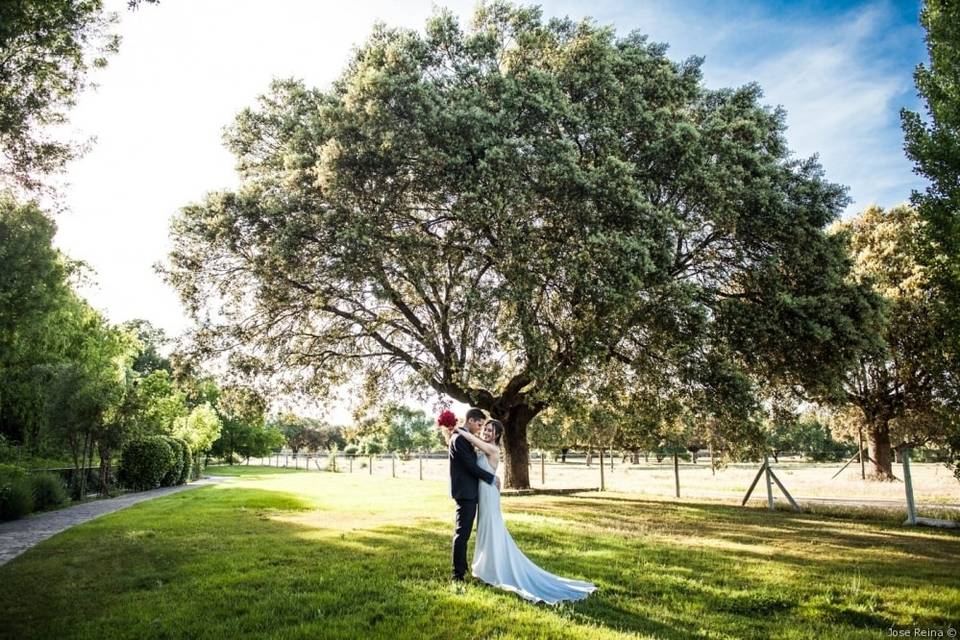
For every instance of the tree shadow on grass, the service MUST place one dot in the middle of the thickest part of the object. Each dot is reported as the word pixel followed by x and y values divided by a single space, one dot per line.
pixel 752 526
pixel 854 572
pixel 228 562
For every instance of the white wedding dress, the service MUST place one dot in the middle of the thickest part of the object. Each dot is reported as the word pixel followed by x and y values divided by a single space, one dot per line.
pixel 499 562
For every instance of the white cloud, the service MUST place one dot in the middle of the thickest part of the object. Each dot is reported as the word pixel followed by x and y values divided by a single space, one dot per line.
pixel 838 78
pixel 840 105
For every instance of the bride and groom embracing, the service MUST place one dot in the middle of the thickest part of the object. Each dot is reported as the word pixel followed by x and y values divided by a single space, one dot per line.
pixel 474 456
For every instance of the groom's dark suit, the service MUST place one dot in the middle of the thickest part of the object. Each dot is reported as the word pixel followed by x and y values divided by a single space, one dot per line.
pixel 464 474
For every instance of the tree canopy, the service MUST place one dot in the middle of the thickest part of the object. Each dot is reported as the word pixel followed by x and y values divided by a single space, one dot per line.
pixel 492 211
pixel 47 48
pixel 934 146
pixel 902 390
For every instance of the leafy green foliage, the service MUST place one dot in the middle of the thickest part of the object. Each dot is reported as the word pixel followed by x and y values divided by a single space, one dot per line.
pixel 933 143
pixel 48 490
pixel 180 470
pixel 243 431
pixel 16 496
pixel 49 47
pixel 494 211
pixel 200 428
pixel 806 435
pixel 903 391
pixel 307 433
pixel 145 462
pixel 198 463
pixel 397 428
pixel 16 499
pixel 151 339
pixel 32 289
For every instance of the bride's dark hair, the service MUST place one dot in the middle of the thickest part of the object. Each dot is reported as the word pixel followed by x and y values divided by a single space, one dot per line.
pixel 497 430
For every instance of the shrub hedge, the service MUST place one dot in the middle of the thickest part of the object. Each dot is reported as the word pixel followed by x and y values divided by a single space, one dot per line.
pixel 145 462
pixel 16 495
pixel 173 471
pixel 48 490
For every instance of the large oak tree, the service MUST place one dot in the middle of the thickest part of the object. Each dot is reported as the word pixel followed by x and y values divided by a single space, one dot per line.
pixel 902 390
pixel 492 211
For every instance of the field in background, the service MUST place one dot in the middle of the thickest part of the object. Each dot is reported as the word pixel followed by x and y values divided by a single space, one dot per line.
pixel 933 483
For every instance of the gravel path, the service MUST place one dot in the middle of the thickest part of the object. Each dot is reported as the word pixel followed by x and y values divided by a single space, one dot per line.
pixel 19 535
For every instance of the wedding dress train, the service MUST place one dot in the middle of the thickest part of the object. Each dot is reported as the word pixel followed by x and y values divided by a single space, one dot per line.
pixel 499 562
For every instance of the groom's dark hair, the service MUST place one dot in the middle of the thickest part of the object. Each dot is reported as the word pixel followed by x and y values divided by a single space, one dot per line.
pixel 476 414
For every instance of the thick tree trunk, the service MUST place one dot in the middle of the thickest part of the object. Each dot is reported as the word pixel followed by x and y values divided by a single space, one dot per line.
pixel 881 453
pixel 516 451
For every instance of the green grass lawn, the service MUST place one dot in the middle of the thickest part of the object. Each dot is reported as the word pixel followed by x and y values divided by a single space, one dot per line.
pixel 318 555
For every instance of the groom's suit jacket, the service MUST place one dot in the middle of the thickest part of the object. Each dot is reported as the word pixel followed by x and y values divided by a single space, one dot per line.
pixel 464 470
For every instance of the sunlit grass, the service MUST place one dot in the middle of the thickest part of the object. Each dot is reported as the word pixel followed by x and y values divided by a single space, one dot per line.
pixel 268 554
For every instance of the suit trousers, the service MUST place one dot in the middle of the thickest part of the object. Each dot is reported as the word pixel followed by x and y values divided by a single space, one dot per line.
pixel 466 514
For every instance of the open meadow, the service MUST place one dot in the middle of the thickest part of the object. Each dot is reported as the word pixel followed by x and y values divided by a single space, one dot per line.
pixel 270 553
pixel 933 483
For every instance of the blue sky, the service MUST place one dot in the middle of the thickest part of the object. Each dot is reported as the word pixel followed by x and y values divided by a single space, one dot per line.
pixel 842 70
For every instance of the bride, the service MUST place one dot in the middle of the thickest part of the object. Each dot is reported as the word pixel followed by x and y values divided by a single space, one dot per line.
pixel 496 558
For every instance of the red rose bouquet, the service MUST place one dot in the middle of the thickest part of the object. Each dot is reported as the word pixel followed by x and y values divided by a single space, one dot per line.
pixel 447 419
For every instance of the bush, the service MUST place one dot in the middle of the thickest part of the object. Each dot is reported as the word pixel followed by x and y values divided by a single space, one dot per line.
pixel 16 497
pixel 181 468
pixel 7 451
pixel 187 461
pixel 145 461
pixel 372 447
pixel 172 476
pixel 48 490
pixel 196 470
pixel 351 450
pixel 11 472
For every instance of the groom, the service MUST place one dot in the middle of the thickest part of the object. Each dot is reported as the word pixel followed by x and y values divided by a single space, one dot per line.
pixel 464 474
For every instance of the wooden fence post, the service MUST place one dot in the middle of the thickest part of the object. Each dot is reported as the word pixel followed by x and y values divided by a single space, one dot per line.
pixel 908 486
pixel 766 466
pixel 676 474
pixel 863 467
pixel 602 483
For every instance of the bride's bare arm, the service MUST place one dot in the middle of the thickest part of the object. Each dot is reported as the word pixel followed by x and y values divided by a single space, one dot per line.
pixel 486 447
